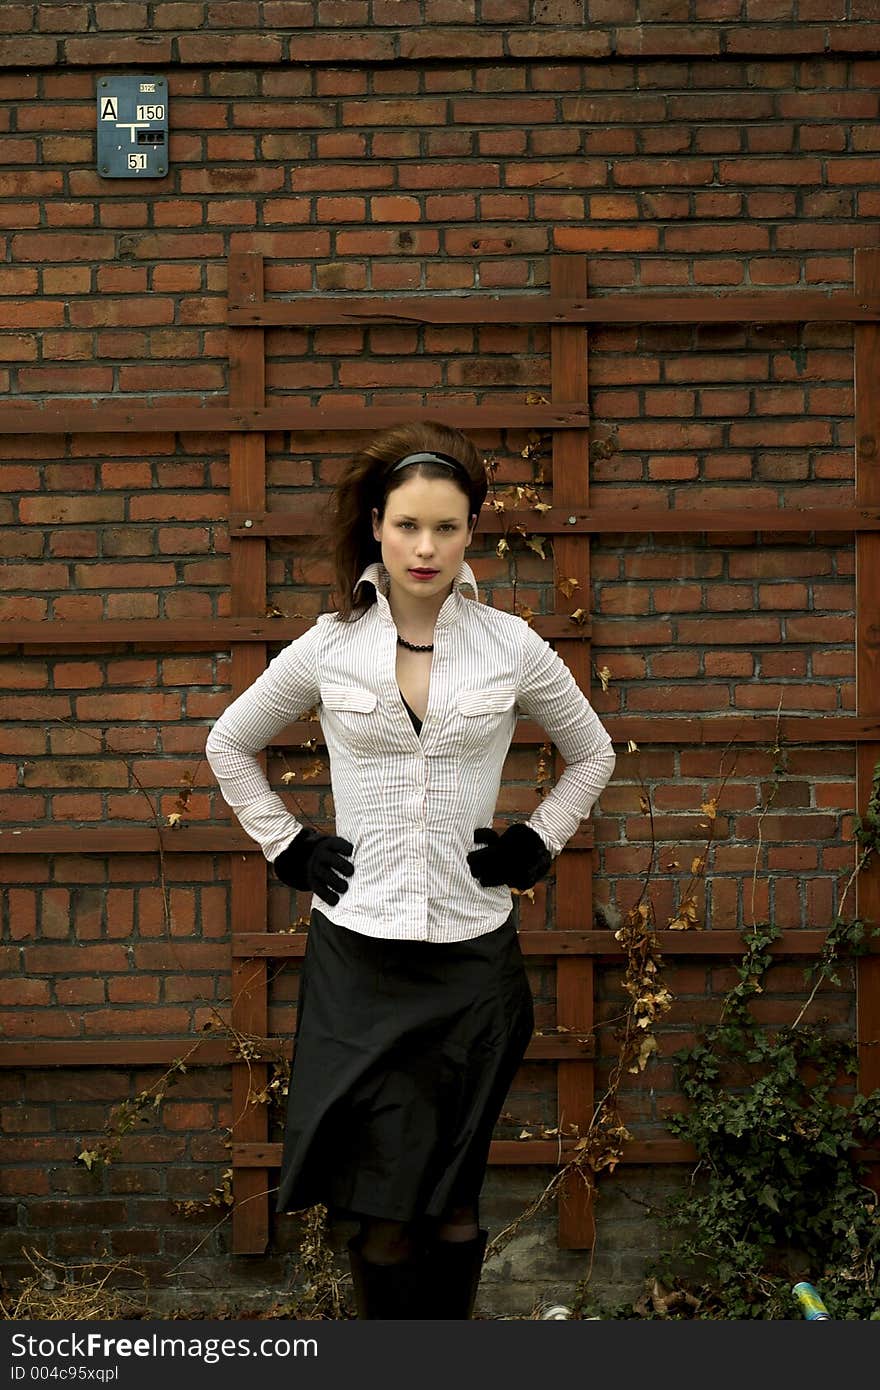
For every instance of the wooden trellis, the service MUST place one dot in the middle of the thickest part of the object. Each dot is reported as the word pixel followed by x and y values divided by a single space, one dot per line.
pixel 247 632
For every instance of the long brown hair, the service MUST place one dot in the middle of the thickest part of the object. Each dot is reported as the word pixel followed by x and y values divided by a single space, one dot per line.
pixel 367 482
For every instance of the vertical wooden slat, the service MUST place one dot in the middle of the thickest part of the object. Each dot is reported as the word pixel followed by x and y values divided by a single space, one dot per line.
pixel 247 490
pixel 867 493
pixel 574 897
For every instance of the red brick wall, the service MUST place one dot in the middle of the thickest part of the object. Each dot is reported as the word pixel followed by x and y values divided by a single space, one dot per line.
pixel 686 146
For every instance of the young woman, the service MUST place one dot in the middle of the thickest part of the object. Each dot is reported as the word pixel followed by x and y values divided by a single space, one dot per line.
pixel 414 1007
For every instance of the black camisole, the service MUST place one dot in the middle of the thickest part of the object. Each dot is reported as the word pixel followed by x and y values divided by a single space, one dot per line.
pixel 416 721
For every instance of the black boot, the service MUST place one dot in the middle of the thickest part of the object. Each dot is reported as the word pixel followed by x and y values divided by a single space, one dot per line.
pixel 452 1269
pixel 385 1291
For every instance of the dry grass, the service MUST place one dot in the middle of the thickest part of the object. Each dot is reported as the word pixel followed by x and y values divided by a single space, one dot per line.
pixel 56 1292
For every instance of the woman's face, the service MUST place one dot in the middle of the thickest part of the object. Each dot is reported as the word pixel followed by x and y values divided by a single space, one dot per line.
pixel 425 527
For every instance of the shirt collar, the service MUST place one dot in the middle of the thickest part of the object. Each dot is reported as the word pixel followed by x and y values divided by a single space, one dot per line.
pixel 377 575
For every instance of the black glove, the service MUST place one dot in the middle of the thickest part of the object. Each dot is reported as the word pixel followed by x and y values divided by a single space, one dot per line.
pixel 519 857
pixel 315 861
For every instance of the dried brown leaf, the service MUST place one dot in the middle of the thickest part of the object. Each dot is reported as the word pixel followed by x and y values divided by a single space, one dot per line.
pixel 646 1050
pixel 687 918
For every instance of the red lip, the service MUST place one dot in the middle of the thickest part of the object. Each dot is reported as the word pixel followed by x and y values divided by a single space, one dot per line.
pixel 424 571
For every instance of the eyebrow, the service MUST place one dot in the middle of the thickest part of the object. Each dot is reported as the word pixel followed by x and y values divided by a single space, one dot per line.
pixel 402 516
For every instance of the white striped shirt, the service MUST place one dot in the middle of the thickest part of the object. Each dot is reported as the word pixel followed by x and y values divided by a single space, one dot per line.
pixel 409 803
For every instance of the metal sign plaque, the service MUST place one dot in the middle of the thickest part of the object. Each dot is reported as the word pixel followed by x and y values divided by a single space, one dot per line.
pixel 132 127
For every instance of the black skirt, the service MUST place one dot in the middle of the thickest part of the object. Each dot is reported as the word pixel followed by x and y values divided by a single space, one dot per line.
pixel 405 1052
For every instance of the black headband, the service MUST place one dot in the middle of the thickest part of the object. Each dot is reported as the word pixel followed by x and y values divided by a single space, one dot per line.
pixel 446 459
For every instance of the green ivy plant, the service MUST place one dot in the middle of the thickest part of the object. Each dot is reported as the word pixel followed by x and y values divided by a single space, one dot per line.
pixel 778 1195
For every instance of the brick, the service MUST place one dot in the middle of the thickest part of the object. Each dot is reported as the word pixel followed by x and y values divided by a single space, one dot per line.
pixel 677 598
pixel 79 991
pixel 28 314
pixel 664 699
pixel 22 1182
pixel 28 52
pixel 121 16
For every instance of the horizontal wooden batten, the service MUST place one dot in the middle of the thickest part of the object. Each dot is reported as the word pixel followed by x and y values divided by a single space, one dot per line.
pixel 189 838
pixel 522 1151
pixel 112 415
pixel 793 306
pixel 513 1151
pixel 129 1052
pixel 682 729
pixel 745 729
pixel 214 634
pixel 212 1052
pixel 692 730
pixel 672 943
pixel 608 521
pixel 649 1151
pixel 291 945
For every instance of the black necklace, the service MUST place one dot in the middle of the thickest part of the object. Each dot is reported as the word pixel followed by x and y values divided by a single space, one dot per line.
pixel 411 647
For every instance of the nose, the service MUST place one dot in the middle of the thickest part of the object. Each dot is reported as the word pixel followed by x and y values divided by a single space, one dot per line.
pixel 425 547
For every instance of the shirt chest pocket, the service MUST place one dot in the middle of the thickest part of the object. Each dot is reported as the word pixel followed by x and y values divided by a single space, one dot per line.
pixel 353 713
pixel 481 713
